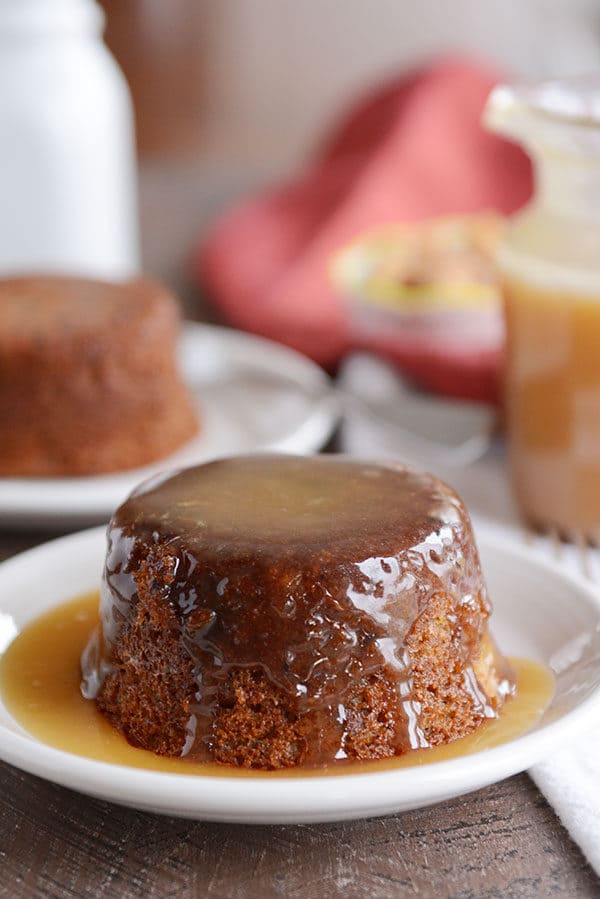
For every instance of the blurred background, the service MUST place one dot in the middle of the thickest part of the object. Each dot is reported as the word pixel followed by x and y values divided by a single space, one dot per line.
pixel 232 95
pixel 251 84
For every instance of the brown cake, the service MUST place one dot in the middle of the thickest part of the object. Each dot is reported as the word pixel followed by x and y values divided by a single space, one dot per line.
pixel 273 611
pixel 88 380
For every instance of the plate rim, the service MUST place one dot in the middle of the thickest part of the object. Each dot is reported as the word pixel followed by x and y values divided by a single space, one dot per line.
pixel 284 799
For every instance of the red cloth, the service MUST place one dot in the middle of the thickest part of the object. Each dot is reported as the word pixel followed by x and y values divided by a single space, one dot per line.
pixel 414 149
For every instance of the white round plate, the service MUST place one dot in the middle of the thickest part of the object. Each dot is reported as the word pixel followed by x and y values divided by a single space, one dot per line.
pixel 283 406
pixel 540 613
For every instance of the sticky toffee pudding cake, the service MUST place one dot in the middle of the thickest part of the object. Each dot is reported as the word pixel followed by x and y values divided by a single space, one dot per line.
pixel 276 611
pixel 88 376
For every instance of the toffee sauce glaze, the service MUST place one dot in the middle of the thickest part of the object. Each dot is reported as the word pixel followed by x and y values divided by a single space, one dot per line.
pixel 313 571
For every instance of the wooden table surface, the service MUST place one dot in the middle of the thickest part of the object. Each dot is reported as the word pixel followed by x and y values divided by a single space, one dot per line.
pixel 503 841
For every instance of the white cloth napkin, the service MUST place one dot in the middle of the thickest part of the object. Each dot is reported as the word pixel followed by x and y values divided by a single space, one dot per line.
pixel 570 779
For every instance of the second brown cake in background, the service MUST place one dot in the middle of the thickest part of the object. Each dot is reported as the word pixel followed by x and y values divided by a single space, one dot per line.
pixel 88 376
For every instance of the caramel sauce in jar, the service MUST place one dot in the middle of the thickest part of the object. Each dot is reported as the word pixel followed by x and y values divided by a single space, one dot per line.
pixel 552 392
pixel 40 679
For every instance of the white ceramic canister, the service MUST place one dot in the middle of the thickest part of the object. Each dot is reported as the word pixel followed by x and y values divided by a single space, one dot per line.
pixel 68 198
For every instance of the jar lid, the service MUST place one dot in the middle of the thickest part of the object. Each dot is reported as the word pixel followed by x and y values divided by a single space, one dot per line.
pixel 562 114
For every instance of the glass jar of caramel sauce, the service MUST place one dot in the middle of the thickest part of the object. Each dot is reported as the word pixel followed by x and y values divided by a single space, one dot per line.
pixel 550 273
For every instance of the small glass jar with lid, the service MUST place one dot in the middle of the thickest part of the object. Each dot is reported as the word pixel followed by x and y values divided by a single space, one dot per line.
pixel 550 266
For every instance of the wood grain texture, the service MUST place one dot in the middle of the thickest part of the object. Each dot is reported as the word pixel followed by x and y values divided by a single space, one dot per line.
pixel 503 842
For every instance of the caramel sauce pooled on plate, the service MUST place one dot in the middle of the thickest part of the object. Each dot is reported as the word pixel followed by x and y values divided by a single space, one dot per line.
pixel 40 685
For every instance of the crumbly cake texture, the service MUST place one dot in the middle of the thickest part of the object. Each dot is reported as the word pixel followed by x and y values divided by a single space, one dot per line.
pixel 88 376
pixel 270 612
